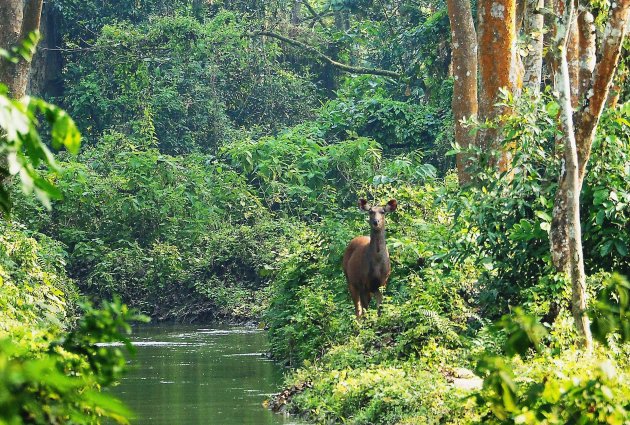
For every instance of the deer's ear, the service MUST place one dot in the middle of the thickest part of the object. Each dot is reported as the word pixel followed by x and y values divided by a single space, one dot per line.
pixel 391 206
pixel 363 205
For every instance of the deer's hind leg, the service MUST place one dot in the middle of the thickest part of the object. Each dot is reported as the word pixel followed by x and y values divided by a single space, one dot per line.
pixel 356 300
pixel 365 300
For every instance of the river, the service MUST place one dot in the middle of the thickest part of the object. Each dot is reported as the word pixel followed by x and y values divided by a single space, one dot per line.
pixel 191 374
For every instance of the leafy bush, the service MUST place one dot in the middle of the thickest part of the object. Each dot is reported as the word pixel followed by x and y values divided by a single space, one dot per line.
pixel 21 147
pixel 161 230
pixel 34 287
pixel 364 108
pixel 311 310
pixel 505 217
pixel 46 375
pixel 379 395
pixel 537 384
pixel 195 83
pixel 57 379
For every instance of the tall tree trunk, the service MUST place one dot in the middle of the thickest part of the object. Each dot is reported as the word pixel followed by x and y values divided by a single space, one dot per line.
pixel 533 28
pixel 570 180
pixel 11 16
pixel 46 68
pixel 498 65
pixel 587 118
pixel 565 237
pixel 18 18
pixel 464 42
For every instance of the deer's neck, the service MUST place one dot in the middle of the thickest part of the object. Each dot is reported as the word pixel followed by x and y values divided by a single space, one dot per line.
pixel 378 247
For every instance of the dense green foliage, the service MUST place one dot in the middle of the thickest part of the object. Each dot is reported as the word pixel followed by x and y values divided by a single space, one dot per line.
pixel 186 83
pixel 509 219
pixel 219 177
pixel 176 237
pixel 46 375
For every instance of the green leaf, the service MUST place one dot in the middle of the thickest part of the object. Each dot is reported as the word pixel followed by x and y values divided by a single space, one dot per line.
pixel 543 215
pixel 606 247
pixel 552 108
pixel 599 218
pixel 599 196
pixel 621 247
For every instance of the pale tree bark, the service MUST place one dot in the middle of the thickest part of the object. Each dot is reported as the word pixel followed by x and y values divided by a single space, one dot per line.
pixel 18 18
pixel 11 17
pixel 570 176
pixel 498 66
pixel 464 44
pixel 533 28
pixel 587 118
pixel 579 129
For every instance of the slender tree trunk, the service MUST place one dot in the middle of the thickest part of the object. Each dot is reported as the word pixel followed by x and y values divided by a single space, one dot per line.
pixel 573 61
pixel 570 181
pixel 579 131
pixel 464 42
pixel 533 28
pixel 46 68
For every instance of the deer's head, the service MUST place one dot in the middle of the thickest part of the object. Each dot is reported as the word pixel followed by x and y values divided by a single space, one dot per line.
pixel 377 213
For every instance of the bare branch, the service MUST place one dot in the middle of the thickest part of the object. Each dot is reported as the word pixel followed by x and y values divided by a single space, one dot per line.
pixel 342 66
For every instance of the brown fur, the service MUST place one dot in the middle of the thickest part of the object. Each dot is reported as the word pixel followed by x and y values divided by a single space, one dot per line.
pixel 366 260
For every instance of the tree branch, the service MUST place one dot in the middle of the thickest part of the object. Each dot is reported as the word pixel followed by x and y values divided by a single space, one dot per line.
pixel 342 66
pixel 316 16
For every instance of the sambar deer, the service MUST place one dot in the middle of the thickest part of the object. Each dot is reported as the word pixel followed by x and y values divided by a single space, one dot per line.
pixel 366 260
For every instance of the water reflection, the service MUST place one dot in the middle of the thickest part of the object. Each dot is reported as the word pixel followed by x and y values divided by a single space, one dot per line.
pixel 184 374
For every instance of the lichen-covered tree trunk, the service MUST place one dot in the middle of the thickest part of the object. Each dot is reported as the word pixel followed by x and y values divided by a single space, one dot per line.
pixel 464 42
pixel 11 17
pixel 579 131
pixel 573 62
pixel 17 19
pixel 570 182
pixel 498 65
pixel 587 117
pixel 586 58
pixel 533 28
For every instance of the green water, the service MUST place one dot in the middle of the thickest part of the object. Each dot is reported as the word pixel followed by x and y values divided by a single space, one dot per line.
pixel 186 374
